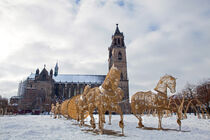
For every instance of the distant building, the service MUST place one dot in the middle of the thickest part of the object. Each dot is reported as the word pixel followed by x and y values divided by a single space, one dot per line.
pixel 39 90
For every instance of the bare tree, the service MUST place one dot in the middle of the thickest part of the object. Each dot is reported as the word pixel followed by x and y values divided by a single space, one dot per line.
pixel 203 93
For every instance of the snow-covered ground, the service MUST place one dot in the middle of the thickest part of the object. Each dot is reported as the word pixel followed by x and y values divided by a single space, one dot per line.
pixel 29 127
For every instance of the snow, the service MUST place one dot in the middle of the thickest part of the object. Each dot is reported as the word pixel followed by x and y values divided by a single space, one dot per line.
pixel 75 78
pixel 45 127
pixel 79 78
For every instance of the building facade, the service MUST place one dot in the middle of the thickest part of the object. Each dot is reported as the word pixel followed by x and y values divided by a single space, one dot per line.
pixel 41 89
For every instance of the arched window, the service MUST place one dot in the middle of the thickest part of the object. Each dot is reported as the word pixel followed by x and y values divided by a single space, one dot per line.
pixel 118 41
pixel 121 76
pixel 119 56
pixel 115 41
pixel 44 76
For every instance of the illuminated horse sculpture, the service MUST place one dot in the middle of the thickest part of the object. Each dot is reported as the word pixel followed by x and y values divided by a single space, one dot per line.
pixel 56 110
pixel 147 102
pixel 81 105
pixel 114 102
pixel 101 98
pixel 52 111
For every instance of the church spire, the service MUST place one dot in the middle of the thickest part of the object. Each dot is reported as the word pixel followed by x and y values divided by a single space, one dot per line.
pixel 117 31
pixel 56 70
pixel 117 38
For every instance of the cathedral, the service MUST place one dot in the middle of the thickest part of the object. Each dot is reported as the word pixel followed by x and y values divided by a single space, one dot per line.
pixel 41 89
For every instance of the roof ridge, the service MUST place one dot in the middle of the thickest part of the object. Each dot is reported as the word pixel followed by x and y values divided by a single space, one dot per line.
pixel 83 74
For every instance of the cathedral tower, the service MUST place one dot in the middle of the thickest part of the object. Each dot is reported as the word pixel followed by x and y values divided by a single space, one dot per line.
pixel 117 57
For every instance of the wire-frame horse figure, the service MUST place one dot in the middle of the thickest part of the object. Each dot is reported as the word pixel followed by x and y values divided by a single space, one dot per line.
pixel 156 103
pixel 194 105
pixel 115 101
pixel 100 98
pixel 81 106
pixel 52 111
pixel 57 112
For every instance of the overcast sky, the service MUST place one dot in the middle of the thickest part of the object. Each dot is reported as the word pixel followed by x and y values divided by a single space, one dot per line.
pixel 161 36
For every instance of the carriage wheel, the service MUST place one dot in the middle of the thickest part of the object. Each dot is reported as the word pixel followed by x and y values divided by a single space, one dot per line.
pixel 72 111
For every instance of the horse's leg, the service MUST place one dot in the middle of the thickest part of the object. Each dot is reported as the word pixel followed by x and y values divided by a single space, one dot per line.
pixel 140 121
pixel 81 117
pixel 179 123
pixel 55 115
pixel 78 114
pixel 179 119
pixel 110 117
pixel 135 111
pixel 160 116
pixel 92 120
pixel 100 119
pixel 185 111
pixel 121 123
pixel 59 114
pixel 179 116
pixel 103 117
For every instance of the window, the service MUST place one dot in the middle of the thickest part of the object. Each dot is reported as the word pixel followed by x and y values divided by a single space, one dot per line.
pixel 44 76
pixel 123 43
pixel 110 53
pixel 118 41
pixel 119 56
pixel 121 76
pixel 115 41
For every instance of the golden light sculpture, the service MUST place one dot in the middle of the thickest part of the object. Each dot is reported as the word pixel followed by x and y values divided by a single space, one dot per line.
pixel 81 107
pixel 157 103
pixel 52 111
pixel 57 111
pixel 194 105
pixel 101 98
pixel 64 108
pixel 72 108
pixel 114 102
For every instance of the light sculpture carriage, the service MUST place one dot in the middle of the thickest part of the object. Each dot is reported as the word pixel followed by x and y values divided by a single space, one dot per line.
pixel 108 96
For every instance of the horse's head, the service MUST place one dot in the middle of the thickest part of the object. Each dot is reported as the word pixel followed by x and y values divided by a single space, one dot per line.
pixel 112 79
pixel 166 81
pixel 171 84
